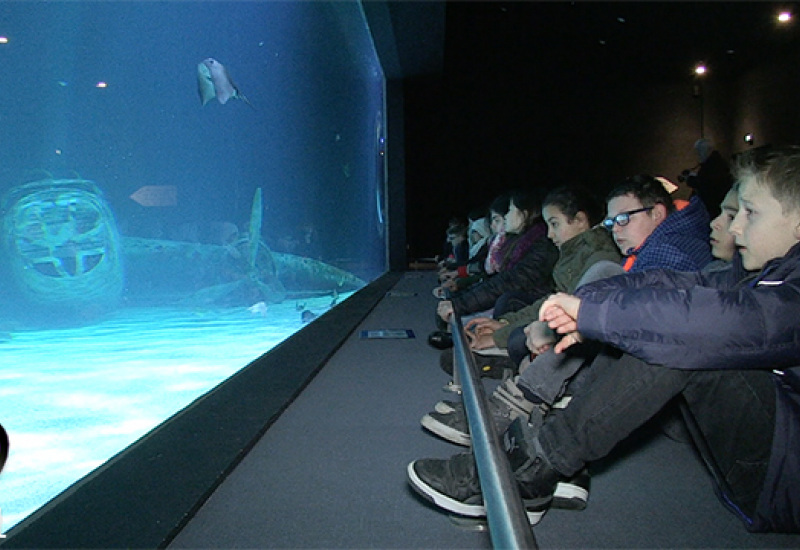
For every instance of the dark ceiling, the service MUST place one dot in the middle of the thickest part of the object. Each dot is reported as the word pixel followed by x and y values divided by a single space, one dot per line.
pixel 579 40
pixel 655 39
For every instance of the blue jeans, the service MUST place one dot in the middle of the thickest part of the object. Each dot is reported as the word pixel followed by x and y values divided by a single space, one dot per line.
pixel 617 393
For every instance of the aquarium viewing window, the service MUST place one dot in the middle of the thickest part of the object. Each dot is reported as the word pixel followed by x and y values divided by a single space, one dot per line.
pixel 184 185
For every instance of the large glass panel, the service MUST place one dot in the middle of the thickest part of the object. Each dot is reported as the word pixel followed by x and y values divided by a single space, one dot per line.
pixel 184 185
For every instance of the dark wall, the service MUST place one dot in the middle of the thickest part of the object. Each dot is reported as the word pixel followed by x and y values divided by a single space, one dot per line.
pixel 514 107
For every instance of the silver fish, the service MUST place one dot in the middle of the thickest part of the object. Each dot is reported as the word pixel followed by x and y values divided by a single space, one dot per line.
pixel 213 81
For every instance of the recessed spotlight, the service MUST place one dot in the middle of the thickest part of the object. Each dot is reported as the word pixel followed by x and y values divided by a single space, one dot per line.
pixel 784 17
pixel 700 69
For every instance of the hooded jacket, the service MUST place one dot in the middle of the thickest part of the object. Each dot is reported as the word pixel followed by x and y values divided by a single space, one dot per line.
pixel 680 242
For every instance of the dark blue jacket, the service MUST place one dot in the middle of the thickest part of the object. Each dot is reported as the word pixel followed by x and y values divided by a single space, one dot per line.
pixel 718 320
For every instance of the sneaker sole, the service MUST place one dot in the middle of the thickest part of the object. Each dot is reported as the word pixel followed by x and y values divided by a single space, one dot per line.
pixel 569 496
pixel 445 432
pixel 457 507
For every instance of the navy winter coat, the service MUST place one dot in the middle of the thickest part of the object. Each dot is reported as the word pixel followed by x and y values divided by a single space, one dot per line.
pixel 714 321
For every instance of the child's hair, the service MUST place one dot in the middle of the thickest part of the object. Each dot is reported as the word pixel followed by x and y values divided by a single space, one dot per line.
pixel 456 230
pixel 647 189
pixel 571 199
pixel 529 201
pixel 500 205
pixel 776 167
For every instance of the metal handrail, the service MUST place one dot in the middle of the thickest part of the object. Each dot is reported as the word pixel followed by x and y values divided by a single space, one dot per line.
pixel 505 513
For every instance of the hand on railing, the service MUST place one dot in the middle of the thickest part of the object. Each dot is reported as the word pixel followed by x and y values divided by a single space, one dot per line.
pixel 445 309
pixel 480 332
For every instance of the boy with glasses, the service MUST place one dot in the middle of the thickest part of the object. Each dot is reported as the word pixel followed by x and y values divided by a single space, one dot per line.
pixel 654 232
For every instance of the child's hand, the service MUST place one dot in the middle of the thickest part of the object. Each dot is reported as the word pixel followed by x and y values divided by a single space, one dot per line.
pixel 483 325
pixel 560 312
pixel 480 341
pixel 540 337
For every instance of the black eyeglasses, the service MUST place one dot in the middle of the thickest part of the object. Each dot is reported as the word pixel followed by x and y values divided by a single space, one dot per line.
pixel 623 218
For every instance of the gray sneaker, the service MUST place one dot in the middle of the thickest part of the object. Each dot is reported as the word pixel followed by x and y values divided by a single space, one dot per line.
pixel 450 426
pixel 449 421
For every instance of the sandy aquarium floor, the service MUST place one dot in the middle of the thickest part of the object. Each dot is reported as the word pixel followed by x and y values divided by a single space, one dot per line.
pixel 70 399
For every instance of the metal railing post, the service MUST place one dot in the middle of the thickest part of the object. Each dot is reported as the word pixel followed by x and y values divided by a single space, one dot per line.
pixel 505 513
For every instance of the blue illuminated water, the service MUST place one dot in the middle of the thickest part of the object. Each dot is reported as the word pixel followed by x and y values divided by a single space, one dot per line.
pixel 71 399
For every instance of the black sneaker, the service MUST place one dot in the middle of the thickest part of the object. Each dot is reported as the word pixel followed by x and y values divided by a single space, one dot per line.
pixel 453 485
pixel 536 478
pixel 441 339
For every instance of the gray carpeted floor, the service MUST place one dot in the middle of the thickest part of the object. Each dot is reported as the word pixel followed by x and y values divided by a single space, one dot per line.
pixel 330 473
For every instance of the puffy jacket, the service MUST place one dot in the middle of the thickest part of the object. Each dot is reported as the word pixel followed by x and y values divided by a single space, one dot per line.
pixel 532 273
pixel 576 256
pixel 717 320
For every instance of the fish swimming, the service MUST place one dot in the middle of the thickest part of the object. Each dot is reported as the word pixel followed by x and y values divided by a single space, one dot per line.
pixel 213 81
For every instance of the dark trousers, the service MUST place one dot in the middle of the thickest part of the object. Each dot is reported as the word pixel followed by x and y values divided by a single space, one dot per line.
pixel 733 409
pixel 546 378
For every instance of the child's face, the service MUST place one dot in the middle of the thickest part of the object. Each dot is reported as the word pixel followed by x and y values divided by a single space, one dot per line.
pixel 640 225
pixel 559 228
pixel 498 223
pixel 761 229
pixel 515 219
pixel 456 238
pixel 723 243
